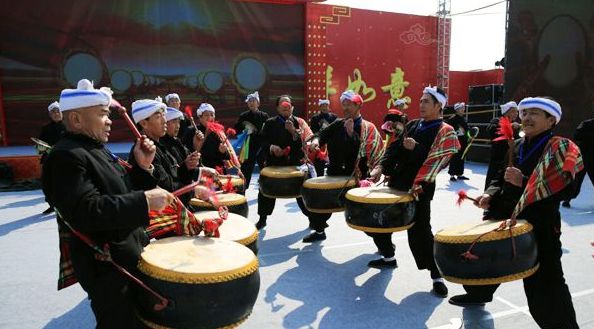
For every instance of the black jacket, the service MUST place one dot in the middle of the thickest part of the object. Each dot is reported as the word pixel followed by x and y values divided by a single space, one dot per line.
pixel 51 132
pixel 499 148
pixel 321 120
pixel 92 192
pixel 402 165
pixel 257 118
pixel 210 155
pixel 342 149
pixel 457 122
pixel 170 174
pixel 274 133
pixel 584 137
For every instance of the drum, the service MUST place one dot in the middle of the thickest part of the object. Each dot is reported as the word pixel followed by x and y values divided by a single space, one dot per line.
pixel 211 283
pixel 325 194
pixel 281 182
pixel 235 228
pixel 379 209
pixel 492 257
pixel 236 181
pixel 236 203
pixel 41 146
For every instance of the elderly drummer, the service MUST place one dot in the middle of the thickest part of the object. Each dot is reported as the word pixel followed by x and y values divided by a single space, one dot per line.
pixel 499 148
pixel 50 134
pixel 317 122
pixel 170 174
pixel 543 173
pixel 89 190
pixel 174 101
pixel 251 121
pixel 354 148
pixel 413 164
pixel 282 145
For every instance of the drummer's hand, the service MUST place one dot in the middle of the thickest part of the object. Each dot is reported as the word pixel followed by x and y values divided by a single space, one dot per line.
pixel 202 193
pixel 516 126
pixel 290 127
pixel 144 152
pixel 483 201
pixel 198 140
pixel 157 198
pixel 222 148
pixel 276 150
pixel 409 143
pixel 314 146
pixel 376 173
pixel 192 160
pixel 514 176
pixel 349 126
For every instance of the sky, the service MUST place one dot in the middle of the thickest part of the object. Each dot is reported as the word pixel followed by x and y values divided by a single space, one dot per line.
pixel 478 38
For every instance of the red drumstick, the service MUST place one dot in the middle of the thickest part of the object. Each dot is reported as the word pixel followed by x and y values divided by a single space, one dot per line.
pixel 463 196
pixel 186 189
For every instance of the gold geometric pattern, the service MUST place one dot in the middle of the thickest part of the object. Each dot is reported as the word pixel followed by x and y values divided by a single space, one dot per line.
pixel 337 12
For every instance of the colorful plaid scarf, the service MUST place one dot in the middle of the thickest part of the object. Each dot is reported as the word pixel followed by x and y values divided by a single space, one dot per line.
pixel 443 148
pixel 371 147
pixel 557 168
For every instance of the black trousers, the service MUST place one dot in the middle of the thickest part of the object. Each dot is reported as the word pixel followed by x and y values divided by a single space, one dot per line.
pixel 316 221
pixel 492 171
pixel 456 167
pixel 549 300
pixel 319 165
pixel 579 179
pixel 420 239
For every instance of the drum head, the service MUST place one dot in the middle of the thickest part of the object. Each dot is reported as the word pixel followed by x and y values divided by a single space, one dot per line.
pixel 378 195
pixel 197 256
pixel 235 228
pixel 281 172
pixel 226 199
pixel 468 233
pixel 329 182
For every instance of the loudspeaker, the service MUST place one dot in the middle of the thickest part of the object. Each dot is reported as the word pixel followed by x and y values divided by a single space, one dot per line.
pixel 485 95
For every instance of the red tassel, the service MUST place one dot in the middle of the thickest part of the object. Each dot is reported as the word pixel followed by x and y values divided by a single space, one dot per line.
pixel 188 111
pixel 461 197
pixel 231 132
pixel 216 127
pixel 287 151
pixel 219 169
pixel 228 187
pixel 505 130
pixel 469 256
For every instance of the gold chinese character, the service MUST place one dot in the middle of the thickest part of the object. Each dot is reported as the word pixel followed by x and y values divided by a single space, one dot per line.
pixel 360 87
pixel 329 89
pixel 396 87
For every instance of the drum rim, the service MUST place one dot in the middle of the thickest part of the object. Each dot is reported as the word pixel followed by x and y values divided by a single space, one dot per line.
pixel 296 174
pixel 244 241
pixel 401 199
pixel 202 203
pixel 292 196
pixel 329 186
pixel 380 229
pixel 325 211
pixel 497 280
pixel 158 326
pixel 525 228
pixel 198 278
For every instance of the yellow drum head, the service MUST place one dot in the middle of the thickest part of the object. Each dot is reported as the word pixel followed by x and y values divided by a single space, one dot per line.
pixel 378 195
pixel 468 233
pixel 226 199
pixel 235 228
pixel 282 172
pixel 188 259
pixel 329 182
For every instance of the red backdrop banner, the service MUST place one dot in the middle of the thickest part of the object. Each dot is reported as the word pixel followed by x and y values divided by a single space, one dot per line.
pixel 382 56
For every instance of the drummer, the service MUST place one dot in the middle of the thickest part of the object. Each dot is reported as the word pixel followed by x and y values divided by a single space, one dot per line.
pixel 176 148
pixel 282 132
pixel 317 122
pixel 549 300
pixel 173 100
pixel 499 148
pixel 414 162
pixel 150 115
pixel 51 133
pixel 213 151
pixel 90 191
pixel 252 120
pixel 343 138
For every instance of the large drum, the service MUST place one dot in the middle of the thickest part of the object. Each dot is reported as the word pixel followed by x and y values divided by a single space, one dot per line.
pixel 236 181
pixel 491 260
pixel 281 182
pixel 236 203
pixel 325 194
pixel 235 228
pixel 211 283
pixel 379 209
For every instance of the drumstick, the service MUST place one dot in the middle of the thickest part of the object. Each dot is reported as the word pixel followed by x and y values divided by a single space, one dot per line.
pixel 463 196
pixel 122 111
pixel 188 188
